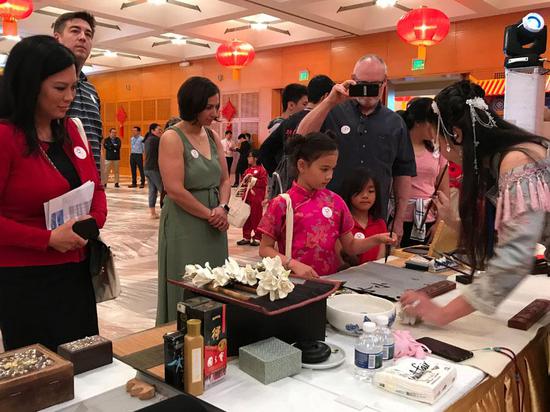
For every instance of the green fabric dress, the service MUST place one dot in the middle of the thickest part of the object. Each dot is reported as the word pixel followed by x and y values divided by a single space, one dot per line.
pixel 186 239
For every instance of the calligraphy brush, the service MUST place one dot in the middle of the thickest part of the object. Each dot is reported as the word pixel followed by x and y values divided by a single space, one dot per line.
pixel 435 192
pixel 388 247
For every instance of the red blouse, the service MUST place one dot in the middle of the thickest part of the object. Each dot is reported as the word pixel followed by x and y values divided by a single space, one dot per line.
pixel 374 227
pixel 26 183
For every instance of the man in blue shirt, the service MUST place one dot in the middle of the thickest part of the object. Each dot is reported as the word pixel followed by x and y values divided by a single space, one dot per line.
pixel 136 157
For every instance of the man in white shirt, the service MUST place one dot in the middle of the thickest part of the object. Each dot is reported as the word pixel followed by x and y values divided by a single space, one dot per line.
pixel 228 149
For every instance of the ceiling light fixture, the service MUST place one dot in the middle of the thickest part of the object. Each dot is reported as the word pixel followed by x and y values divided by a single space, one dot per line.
pixel 13 38
pixel 258 26
pixel 179 41
pixel 109 53
pixel 156 2
pixel 385 3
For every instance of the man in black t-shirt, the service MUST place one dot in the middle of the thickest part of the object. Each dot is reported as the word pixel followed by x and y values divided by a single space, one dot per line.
pixel 272 149
pixel 152 171
pixel 368 135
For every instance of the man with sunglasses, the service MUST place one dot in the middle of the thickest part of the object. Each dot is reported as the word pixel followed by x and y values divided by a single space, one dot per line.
pixel 368 134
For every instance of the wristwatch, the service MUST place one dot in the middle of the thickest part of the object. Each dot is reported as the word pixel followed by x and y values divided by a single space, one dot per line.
pixel 224 207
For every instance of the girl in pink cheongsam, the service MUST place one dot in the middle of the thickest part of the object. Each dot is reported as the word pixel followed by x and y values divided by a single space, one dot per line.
pixel 321 217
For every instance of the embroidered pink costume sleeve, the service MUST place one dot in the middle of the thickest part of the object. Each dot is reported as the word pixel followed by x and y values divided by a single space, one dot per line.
pixel 522 220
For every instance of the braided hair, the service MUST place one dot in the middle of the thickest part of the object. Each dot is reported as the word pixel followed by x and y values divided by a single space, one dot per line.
pixel 455 112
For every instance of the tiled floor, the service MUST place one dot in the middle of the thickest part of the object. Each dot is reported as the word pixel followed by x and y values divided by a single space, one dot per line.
pixel 132 236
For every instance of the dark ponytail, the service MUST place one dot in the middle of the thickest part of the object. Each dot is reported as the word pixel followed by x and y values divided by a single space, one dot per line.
pixel 310 147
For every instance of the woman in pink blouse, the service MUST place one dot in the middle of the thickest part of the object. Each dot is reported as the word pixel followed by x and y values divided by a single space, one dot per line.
pixel 430 168
pixel 321 217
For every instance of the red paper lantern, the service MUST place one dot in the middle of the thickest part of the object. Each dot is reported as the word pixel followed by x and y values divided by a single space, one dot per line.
pixel 235 54
pixel 11 11
pixel 423 27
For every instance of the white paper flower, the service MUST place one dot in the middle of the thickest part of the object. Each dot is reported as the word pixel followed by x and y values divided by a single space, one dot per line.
pixel 203 276
pixel 221 278
pixel 273 264
pixel 191 271
pixel 233 270
pixel 250 275
pixel 284 286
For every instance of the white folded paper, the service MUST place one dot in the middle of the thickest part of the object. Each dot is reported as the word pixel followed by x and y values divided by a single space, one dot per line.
pixel 423 380
pixel 70 205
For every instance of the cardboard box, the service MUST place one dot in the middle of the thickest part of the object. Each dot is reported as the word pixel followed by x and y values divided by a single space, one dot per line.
pixel 181 307
pixel 213 325
pixel 270 360
pixel 44 381
pixel 173 359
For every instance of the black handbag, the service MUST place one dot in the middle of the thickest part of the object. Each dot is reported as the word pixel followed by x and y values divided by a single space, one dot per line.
pixel 104 278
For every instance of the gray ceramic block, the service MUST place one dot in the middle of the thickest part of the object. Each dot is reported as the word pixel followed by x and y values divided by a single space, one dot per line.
pixel 270 360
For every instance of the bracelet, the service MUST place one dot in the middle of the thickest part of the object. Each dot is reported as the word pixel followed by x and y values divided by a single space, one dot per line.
pixel 287 263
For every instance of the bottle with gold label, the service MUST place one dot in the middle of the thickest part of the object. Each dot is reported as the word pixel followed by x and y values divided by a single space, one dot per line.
pixel 193 359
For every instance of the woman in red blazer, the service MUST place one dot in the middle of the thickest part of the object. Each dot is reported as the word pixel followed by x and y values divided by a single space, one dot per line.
pixel 46 293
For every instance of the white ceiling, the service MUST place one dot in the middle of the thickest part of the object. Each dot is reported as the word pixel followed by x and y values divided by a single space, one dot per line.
pixel 133 30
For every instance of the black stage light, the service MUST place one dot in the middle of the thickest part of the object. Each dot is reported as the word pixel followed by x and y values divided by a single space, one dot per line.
pixel 524 42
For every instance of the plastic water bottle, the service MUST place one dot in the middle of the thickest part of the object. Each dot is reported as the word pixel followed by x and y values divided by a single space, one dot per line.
pixel 386 336
pixel 368 353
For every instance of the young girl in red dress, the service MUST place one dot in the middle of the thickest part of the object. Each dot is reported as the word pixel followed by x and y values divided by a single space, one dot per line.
pixel 255 197
pixel 359 192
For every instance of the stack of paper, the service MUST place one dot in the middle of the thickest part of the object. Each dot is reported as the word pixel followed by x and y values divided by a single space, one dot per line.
pixel 423 380
pixel 71 205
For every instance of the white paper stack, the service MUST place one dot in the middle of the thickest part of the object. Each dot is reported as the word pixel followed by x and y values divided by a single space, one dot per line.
pixel 423 380
pixel 71 205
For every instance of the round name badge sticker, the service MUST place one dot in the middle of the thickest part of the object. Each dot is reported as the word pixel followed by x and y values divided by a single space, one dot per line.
pixel 80 152
pixel 345 129
pixel 359 235
pixel 195 154
pixel 327 212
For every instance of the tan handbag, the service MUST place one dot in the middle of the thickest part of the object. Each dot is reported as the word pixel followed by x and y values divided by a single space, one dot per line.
pixel 289 225
pixel 239 210
pixel 102 265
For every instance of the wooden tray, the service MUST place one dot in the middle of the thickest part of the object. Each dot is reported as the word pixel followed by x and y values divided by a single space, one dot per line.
pixel 306 291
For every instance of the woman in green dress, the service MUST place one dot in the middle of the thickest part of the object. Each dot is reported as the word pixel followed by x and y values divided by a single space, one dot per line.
pixel 193 223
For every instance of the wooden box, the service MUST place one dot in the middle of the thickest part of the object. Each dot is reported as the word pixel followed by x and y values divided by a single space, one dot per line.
pixel 87 353
pixel 33 378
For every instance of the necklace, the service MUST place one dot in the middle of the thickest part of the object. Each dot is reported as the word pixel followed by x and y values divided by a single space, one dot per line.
pixel 47 157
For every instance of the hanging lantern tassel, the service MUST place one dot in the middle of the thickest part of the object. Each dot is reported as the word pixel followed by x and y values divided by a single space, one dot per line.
pixel 422 52
pixel 236 74
pixel 14 10
pixel 9 27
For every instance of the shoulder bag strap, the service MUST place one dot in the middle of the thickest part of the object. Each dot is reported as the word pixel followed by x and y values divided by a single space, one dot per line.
pixel 81 131
pixel 289 225
pixel 248 187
